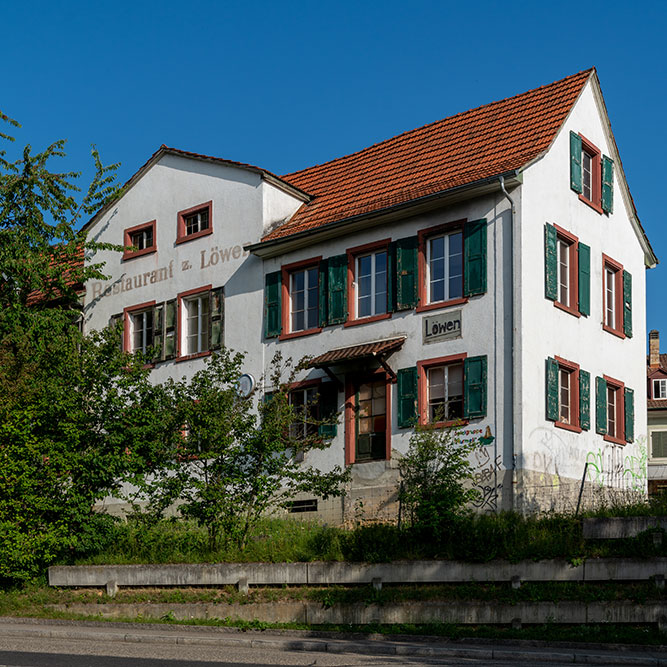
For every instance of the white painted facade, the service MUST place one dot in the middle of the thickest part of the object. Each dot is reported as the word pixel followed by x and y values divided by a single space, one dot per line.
pixel 530 463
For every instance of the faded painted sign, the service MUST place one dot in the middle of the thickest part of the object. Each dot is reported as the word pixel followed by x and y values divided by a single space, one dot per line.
pixel 443 326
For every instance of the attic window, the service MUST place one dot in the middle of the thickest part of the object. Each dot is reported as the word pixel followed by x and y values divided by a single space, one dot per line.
pixel 591 174
pixel 195 222
pixel 659 388
pixel 139 240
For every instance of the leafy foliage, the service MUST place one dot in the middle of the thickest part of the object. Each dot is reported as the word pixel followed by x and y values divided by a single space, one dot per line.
pixel 235 460
pixel 434 473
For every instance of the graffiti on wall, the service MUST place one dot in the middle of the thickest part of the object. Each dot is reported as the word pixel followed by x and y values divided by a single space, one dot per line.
pixel 486 467
pixel 614 468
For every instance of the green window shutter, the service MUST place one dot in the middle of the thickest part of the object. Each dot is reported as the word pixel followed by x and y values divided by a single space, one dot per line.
pixel 474 387
pixel 337 289
pixel 406 273
pixel 272 307
pixel 550 262
pixel 552 389
pixel 158 332
pixel 391 277
pixel 627 304
pixel 629 415
pixel 600 406
pixel 170 329
pixel 575 163
pixel 328 404
pixel 113 321
pixel 584 400
pixel 584 279
pixel 216 318
pixel 607 184
pixel 407 397
pixel 323 291
pixel 474 257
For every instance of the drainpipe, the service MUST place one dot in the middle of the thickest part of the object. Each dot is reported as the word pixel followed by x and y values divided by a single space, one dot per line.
pixel 511 308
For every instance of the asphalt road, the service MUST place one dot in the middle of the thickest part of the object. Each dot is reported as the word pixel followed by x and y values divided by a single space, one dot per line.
pixel 26 643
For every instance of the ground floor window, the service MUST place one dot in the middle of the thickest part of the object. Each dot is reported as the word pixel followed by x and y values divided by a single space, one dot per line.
pixel 368 420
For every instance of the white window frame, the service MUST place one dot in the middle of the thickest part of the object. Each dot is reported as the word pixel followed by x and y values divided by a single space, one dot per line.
pixel 652 457
pixel 306 301
pixel 590 172
pixel 661 384
pixel 565 401
pixel 133 316
pixel 447 397
pixel 564 286
pixel 197 215
pixel 610 314
pixel 202 319
pixel 373 293
pixel 141 236
pixel 309 405
pixel 446 258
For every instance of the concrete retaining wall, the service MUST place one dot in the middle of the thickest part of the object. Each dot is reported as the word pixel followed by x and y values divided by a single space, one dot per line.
pixel 408 612
pixel 595 528
pixel 321 573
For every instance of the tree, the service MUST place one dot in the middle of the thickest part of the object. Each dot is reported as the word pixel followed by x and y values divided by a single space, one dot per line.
pixel 72 409
pixel 436 474
pixel 236 460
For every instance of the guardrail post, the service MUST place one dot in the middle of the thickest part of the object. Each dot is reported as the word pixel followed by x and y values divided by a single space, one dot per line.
pixel 112 588
pixel 242 586
pixel 516 582
pixel 377 583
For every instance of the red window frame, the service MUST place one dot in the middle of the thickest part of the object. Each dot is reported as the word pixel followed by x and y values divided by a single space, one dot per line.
pixel 573 261
pixel 352 255
pixel 619 388
pixel 350 421
pixel 181 236
pixel 573 370
pixel 127 314
pixel 596 174
pixel 608 262
pixel 286 301
pixel 127 240
pixel 206 289
pixel 422 388
pixel 423 237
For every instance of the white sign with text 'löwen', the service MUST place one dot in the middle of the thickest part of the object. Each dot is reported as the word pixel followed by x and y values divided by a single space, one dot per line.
pixel 443 326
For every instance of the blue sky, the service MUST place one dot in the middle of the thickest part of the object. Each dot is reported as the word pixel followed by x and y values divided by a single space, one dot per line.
pixel 285 85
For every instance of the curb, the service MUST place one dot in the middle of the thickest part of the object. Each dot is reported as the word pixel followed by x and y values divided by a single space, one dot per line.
pixel 371 647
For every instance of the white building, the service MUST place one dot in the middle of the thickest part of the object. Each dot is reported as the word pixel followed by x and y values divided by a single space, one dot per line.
pixel 487 268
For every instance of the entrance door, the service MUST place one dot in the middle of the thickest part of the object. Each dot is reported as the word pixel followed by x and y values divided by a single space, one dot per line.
pixel 371 421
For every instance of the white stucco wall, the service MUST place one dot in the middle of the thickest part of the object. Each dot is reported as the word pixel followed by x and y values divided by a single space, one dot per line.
pixel 546 331
pixel 486 330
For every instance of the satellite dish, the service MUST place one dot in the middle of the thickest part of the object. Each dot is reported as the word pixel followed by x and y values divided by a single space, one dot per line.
pixel 245 385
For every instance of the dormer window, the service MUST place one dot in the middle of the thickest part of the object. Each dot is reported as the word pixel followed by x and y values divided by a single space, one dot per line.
pixel 660 388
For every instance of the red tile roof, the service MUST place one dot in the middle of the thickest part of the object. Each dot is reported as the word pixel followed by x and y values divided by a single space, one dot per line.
pixel 657 403
pixel 493 139
pixel 375 349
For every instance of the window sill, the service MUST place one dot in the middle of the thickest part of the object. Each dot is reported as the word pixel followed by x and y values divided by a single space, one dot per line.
pixel 192 237
pixel 615 332
pixel 442 304
pixel 596 207
pixel 446 424
pixel 189 357
pixel 367 320
pixel 138 253
pixel 567 309
pixel 616 441
pixel 568 427
pixel 298 334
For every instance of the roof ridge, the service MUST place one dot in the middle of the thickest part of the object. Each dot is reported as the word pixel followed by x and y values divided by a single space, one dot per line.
pixel 421 128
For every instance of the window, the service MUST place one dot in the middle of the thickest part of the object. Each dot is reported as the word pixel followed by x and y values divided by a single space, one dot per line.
pixel 300 287
pixel 659 388
pixel 371 421
pixel 196 323
pixel 141 238
pixel 612 297
pixel 659 444
pixel 591 174
pixel 567 271
pixel 304 300
pixel 568 394
pixel 305 404
pixel 615 410
pixel 444 267
pixel 194 222
pixel 367 280
pixel 444 387
pixel 141 325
